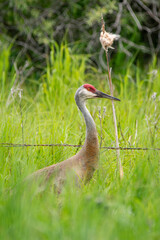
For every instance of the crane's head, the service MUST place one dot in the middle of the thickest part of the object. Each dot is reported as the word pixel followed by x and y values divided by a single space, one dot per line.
pixel 88 91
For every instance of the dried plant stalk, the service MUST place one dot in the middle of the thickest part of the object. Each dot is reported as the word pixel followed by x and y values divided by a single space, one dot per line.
pixel 107 40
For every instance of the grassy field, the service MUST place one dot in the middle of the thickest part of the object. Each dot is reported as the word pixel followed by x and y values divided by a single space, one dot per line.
pixel 106 208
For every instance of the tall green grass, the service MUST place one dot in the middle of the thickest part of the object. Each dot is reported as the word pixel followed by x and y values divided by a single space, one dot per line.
pixel 106 208
pixel 7 72
pixel 64 72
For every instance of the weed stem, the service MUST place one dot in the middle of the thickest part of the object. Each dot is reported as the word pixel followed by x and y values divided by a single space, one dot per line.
pixel 119 165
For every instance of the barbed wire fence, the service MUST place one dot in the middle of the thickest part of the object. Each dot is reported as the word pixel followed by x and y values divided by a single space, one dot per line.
pixel 77 146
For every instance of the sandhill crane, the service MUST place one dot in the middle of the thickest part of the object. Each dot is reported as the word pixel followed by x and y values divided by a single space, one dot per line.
pixel 85 161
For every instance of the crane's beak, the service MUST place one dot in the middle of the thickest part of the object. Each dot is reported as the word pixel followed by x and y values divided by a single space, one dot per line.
pixel 99 94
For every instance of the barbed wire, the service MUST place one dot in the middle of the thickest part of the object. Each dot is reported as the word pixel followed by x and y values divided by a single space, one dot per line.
pixel 74 145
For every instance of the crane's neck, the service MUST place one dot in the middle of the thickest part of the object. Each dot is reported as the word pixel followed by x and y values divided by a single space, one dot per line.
pixel 91 132
pixel 89 152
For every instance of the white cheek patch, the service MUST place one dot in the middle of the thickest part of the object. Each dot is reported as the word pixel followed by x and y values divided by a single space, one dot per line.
pixel 86 94
pixel 90 94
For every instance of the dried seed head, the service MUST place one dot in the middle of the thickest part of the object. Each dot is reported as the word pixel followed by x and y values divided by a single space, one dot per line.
pixel 154 96
pixel 104 111
pixel 107 39
pixel 16 91
pixel 12 91
pixel 99 108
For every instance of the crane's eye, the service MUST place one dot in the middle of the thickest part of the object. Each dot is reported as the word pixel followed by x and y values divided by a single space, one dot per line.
pixel 89 89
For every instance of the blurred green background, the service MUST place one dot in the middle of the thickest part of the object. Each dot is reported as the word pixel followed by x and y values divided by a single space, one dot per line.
pixel 32 25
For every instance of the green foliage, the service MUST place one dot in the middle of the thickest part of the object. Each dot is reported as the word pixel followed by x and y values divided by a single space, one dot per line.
pixel 106 208
pixel 94 14
pixel 65 71
pixel 7 73
pixel 33 24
